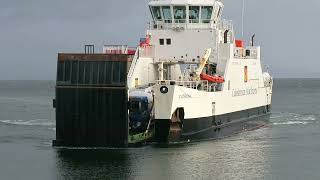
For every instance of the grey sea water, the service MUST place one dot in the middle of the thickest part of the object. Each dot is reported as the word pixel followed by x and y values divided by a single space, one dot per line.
pixel 288 148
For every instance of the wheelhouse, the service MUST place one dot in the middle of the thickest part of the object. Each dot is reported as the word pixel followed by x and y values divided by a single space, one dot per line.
pixel 189 12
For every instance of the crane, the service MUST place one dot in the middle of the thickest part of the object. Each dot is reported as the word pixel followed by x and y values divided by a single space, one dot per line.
pixel 202 63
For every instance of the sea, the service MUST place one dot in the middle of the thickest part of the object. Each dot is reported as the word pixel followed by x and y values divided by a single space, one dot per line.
pixel 287 148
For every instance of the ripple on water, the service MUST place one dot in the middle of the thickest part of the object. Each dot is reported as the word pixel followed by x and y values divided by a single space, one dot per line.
pixel 32 122
pixel 286 118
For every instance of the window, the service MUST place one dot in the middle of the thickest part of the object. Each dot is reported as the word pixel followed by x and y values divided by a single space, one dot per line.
pixel 166 12
pixel 179 14
pixel 134 106
pixel 161 41
pixel 168 41
pixel 206 12
pixel 156 13
pixel 144 106
pixel 248 52
pixel 194 12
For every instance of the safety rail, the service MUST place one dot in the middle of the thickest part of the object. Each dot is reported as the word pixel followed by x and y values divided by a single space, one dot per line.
pixel 202 85
pixel 133 64
pixel 146 51
pixel 181 24
pixel 119 49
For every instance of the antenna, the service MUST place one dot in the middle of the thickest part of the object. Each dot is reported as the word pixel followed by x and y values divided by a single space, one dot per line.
pixel 242 19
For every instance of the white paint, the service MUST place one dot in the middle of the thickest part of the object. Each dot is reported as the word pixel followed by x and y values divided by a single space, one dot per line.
pixel 188 44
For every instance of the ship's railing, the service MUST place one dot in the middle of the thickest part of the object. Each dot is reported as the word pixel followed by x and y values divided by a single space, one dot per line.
pixel 199 85
pixel 118 49
pixel 181 24
pixel 133 64
pixel 145 51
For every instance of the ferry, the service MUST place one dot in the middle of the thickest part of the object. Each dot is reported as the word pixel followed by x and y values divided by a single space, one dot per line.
pixel 191 79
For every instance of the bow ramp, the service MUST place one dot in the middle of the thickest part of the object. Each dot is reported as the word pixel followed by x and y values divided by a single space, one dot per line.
pixel 91 100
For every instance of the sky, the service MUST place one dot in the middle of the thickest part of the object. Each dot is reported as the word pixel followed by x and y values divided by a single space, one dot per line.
pixel 32 32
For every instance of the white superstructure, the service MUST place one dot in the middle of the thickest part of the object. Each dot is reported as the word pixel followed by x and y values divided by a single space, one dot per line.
pixel 177 38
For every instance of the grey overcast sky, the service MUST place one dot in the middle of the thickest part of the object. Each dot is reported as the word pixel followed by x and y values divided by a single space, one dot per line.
pixel 32 32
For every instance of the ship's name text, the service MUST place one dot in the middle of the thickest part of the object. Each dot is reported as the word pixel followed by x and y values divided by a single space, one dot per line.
pixel 236 92
pixel 182 96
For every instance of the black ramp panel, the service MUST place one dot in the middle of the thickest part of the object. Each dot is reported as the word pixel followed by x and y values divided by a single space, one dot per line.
pixel 91 101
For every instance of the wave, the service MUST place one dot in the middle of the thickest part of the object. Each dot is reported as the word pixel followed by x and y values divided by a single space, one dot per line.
pixel 307 117
pixel 291 123
pixel 33 122
pixel 285 118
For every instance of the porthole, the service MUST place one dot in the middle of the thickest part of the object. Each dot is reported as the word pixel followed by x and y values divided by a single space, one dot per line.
pixel 164 89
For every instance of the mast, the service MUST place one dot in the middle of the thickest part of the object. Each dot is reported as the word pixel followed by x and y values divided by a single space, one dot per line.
pixel 242 19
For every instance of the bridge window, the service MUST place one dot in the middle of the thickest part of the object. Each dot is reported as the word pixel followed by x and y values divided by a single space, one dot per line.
pixel 179 14
pixel 194 12
pixel 156 13
pixel 206 13
pixel 166 11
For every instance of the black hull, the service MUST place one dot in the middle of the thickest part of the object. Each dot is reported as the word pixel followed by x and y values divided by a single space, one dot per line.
pixel 215 127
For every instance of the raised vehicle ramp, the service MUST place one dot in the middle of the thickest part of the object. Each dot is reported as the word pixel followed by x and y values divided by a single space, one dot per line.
pixel 91 100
